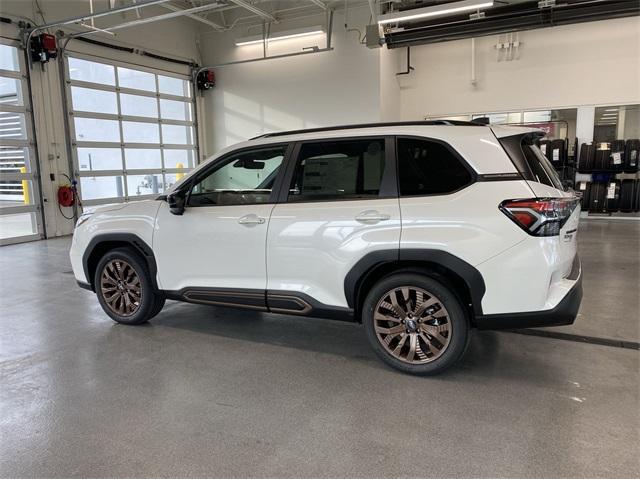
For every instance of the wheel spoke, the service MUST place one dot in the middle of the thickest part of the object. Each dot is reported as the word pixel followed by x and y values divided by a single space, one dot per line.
pixel 394 330
pixel 403 339
pixel 413 341
pixel 396 306
pixel 422 307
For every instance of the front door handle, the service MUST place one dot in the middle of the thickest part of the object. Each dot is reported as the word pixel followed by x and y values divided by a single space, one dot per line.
pixel 372 217
pixel 251 220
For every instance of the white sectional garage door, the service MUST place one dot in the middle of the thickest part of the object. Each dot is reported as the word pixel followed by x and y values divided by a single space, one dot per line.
pixel 20 202
pixel 133 130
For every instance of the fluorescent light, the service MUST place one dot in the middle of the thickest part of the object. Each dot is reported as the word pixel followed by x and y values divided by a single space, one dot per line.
pixel 443 9
pixel 298 32
pixel 611 109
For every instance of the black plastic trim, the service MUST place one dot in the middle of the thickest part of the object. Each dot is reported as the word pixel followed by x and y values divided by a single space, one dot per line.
pixel 132 240
pixel 500 177
pixel 274 301
pixel 237 298
pixel 471 276
pixel 563 314
pixel 84 285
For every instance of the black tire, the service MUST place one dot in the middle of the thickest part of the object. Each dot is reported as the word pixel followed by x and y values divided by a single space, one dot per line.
pixel 150 301
pixel 452 318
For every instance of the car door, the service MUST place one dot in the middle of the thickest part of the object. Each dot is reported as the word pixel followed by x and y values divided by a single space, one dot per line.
pixel 215 251
pixel 339 202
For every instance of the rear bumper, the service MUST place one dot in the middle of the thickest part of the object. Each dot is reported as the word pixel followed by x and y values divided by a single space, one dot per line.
pixel 563 314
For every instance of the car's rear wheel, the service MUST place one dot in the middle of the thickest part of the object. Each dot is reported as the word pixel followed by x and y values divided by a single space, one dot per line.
pixel 415 323
pixel 124 288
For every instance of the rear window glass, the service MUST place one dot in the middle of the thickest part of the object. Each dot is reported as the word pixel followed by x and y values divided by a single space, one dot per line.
pixel 540 166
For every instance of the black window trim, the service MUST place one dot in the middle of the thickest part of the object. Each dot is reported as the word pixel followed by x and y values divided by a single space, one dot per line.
pixel 452 150
pixel 289 147
pixel 388 184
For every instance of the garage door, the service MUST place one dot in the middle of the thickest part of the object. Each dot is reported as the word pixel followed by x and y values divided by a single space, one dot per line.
pixel 20 208
pixel 132 129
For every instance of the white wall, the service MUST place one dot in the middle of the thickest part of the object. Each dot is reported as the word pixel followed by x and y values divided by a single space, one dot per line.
pixel 46 87
pixel 390 83
pixel 337 87
pixel 582 64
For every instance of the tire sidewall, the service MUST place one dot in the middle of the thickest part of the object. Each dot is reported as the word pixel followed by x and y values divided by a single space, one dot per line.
pixel 148 299
pixel 457 317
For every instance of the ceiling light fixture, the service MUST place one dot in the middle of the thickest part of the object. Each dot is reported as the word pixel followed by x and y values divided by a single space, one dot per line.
pixel 443 9
pixel 298 32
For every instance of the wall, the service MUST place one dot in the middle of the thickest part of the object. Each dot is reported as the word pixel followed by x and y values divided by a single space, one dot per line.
pixel 589 63
pixel 390 83
pixel 46 88
pixel 337 87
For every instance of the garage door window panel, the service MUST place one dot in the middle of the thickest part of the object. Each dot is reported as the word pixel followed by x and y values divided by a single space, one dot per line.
pixel 10 92
pixel 20 203
pixel 137 130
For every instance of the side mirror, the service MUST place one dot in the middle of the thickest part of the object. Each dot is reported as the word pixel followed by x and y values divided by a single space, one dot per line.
pixel 176 201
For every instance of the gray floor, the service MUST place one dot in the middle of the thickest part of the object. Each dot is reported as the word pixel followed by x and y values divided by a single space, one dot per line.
pixel 208 392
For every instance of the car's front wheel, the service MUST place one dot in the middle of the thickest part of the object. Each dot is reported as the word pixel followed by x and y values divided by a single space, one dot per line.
pixel 124 288
pixel 415 323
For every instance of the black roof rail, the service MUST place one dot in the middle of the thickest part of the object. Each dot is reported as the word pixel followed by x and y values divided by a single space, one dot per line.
pixel 370 125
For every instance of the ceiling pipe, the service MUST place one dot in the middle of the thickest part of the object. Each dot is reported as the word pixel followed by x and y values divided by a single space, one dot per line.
pixel 91 16
pixel 374 13
pixel 198 18
pixel 258 11
pixel 319 4
pixel 516 17
pixel 157 18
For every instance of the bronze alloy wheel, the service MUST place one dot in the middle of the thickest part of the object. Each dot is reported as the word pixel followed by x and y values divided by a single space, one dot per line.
pixel 120 287
pixel 412 325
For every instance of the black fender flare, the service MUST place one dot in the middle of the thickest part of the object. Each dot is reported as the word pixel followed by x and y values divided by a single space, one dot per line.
pixel 406 257
pixel 131 240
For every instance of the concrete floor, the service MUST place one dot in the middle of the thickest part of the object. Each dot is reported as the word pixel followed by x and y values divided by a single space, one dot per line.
pixel 210 392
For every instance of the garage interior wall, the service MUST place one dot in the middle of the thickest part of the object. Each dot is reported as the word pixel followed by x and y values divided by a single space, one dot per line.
pixel 45 81
pixel 595 63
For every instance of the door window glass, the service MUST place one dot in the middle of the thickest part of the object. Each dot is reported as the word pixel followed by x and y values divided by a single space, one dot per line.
pixel 337 170
pixel 429 168
pixel 245 178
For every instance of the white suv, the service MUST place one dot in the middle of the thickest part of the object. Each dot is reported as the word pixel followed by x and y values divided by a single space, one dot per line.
pixel 419 230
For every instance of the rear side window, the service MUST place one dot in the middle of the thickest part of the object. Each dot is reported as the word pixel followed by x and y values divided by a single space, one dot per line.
pixel 429 168
pixel 337 170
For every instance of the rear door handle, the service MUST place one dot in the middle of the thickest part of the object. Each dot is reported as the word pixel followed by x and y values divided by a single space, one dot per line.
pixel 251 220
pixel 372 217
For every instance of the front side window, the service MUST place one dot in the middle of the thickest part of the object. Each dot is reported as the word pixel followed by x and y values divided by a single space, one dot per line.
pixel 337 170
pixel 429 168
pixel 244 178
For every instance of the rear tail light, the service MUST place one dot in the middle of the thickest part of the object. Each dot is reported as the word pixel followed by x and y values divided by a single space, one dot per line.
pixel 540 216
